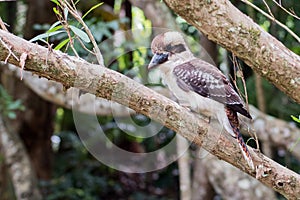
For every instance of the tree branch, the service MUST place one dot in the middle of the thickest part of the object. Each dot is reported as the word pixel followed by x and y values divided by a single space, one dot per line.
pixel 227 26
pixel 111 85
pixel 277 132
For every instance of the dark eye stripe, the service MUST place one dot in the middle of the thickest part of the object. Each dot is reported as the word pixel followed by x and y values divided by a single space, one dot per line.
pixel 178 48
pixel 161 58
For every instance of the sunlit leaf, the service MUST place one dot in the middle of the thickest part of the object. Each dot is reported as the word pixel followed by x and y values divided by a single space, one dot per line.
pixel 62 44
pixel 56 11
pixel 81 34
pixel 295 118
pixel 91 9
pixel 76 2
pixel 56 2
pixel 52 27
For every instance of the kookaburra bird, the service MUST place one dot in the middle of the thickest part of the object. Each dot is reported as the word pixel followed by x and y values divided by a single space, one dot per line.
pixel 198 85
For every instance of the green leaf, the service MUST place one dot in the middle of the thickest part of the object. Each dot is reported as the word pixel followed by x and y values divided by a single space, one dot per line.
pixel 113 24
pixel 44 35
pixel 56 2
pixel 76 2
pixel 91 9
pixel 56 11
pixel 66 12
pixel 11 115
pixel 52 27
pixel 14 105
pixel 62 44
pixel 296 119
pixel 81 34
pixel 44 41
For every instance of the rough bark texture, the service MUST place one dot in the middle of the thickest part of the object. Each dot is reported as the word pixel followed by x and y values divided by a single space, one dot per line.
pixel 111 85
pixel 19 166
pixel 277 132
pixel 230 183
pixel 184 169
pixel 227 26
pixel 35 126
pixel 201 187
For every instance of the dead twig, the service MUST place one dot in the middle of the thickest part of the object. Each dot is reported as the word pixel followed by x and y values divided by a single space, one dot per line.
pixel 10 53
pixel 292 13
pixel 83 46
pixel 271 18
pixel 269 10
pixel 2 25
pixel 22 62
pixel 239 73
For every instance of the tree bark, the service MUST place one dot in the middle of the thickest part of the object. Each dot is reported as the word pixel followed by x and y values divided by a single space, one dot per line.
pixel 19 166
pixel 111 85
pixel 231 183
pixel 201 186
pixel 184 169
pixel 227 26
pixel 36 124
pixel 268 128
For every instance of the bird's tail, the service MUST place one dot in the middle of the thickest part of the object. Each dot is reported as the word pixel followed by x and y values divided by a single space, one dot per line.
pixel 244 149
pixel 234 123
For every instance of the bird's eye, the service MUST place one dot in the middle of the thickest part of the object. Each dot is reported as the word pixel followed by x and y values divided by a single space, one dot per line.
pixel 162 57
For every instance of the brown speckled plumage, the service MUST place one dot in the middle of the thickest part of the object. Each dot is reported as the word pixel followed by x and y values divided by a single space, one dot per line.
pixel 198 84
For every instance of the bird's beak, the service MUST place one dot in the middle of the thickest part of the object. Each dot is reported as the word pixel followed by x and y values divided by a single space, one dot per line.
pixel 157 59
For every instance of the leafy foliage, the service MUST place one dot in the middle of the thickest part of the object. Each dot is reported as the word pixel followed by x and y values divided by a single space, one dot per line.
pixel 8 106
pixel 63 26
pixel 77 175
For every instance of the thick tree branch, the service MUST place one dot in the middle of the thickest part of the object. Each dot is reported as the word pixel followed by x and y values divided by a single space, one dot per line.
pixel 227 26
pixel 114 86
pixel 277 132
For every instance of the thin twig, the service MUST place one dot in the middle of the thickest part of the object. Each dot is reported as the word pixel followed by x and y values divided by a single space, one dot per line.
pixel 271 18
pixel 66 27
pixel 292 13
pixel 269 10
pixel 2 25
pixel 239 69
pixel 83 46
pixel 9 51
pixel 87 30
pixel 245 95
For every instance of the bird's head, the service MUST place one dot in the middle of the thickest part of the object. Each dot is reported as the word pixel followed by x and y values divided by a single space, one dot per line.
pixel 168 46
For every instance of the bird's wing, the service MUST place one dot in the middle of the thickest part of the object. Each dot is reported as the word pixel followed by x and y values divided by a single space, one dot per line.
pixel 208 81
